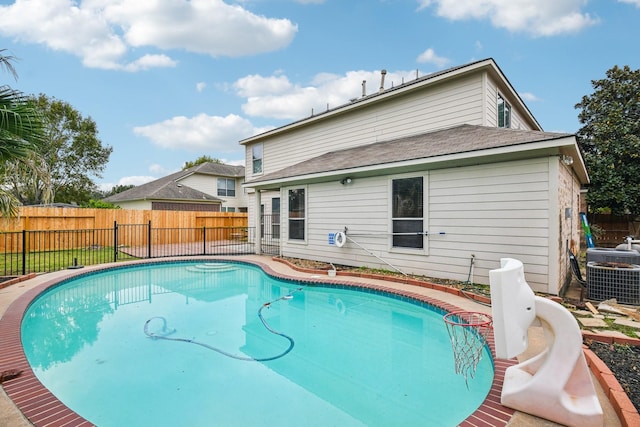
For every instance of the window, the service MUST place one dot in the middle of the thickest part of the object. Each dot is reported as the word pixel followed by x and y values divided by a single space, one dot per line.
pixel 408 213
pixel 275 217
pixel 504 113
pixel 256 158
pixel 226 187
pixel 296 214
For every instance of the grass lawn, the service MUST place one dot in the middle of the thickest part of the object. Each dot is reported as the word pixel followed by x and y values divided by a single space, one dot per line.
pixel 41 262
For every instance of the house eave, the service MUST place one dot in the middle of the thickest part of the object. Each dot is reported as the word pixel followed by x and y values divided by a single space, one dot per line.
pixel 547 148
pixel 200 201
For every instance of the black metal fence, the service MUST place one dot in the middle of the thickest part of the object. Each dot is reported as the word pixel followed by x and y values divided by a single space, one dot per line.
pixel 43 251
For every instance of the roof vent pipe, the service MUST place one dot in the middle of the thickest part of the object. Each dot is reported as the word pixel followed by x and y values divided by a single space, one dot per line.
pixel 364 88
pixel 382 74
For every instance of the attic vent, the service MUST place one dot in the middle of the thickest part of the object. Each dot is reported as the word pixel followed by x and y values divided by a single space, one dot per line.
pixel 382 74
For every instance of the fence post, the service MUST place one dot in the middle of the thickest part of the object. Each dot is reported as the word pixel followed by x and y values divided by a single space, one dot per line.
pixel 204 240
pixel 24 252
pixel 115 241
pixel 149 240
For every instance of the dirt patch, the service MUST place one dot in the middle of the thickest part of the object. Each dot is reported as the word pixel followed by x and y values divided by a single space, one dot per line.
pixel 319 265
pixel 624 363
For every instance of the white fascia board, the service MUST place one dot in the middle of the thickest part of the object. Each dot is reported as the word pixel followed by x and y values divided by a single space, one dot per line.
pixel 512 151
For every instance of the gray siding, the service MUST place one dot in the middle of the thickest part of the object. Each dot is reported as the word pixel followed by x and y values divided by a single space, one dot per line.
pixel 491 211
pixel 494 211
pixel 451 103
pixel 209 184
pixel 491 102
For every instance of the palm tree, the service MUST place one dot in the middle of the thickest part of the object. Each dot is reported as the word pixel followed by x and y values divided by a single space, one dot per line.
pixel 20 131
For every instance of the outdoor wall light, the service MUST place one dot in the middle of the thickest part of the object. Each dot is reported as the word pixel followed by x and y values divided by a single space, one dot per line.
pixel 346 181
pixel 567 160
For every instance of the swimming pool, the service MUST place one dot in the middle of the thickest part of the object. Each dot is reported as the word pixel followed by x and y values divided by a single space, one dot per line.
pixel 360 357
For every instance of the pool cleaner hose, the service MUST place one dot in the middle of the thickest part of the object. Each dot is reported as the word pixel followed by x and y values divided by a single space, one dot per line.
pixel 166 332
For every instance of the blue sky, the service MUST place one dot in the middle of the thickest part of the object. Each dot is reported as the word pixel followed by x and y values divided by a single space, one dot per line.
pixel 170 80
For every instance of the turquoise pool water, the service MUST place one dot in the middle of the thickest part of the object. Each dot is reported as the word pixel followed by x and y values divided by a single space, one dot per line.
pixel 359 358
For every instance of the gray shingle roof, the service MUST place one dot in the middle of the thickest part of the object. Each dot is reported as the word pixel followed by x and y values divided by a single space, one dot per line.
pixel 169 187
pixel 456 140
pixel 217 169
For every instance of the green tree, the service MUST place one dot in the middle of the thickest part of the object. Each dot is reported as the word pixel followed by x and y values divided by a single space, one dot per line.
pixel 20 133
pixel 99 204
pixel 200 160
pixel 29 178
pixel 119 188
pixel 72 152
pixel 610 141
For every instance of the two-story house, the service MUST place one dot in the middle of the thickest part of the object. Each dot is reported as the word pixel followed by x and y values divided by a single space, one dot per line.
pixel 208 187
pixel 438 176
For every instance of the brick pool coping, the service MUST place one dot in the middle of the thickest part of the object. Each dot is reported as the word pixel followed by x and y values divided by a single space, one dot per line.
pixel 42 408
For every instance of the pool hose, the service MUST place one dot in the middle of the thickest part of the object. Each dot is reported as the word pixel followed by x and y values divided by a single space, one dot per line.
pixel 164 335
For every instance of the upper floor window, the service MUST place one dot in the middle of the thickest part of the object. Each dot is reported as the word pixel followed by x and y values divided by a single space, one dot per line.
pixel 226 187
pixel 256 158
pixel 504 113
pixel 408 212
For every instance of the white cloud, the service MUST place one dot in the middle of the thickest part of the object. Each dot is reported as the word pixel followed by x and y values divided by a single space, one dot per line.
pixel 199 133
pixel 528 96
pixel 103 32
pixel 429 56
pixel 256 85
pixel 239 162
pixel 149 61
pixel 277 97
pixel 200 86
pixel 536 17
pixel 136 180
pixel 127 180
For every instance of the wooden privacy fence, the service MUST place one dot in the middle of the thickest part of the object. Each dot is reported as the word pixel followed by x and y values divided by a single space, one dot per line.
pixel 37 218
pixel 49 239
pixel 96 224
pixel 611 230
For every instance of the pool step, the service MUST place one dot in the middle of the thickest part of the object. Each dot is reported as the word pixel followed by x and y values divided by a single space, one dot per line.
pixel 211 268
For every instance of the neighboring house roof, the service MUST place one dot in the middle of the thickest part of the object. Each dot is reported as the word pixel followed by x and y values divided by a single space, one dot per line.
pixel 212 168
pixel 170 188
pixel 488 65
pixel 462 144
pixel 155 190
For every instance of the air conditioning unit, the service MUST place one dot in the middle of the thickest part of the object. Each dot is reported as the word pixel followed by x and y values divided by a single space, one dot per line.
pixel 606 280
pixel 613 255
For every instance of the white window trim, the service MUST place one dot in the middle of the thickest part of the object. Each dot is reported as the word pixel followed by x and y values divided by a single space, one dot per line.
pixel 506 103
pixel 235 186
pixel 425 215
pixel 289 240
pixel 262 159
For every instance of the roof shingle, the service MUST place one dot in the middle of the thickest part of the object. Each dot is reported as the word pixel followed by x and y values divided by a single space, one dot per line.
pixel 169 187
pixel 456 140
